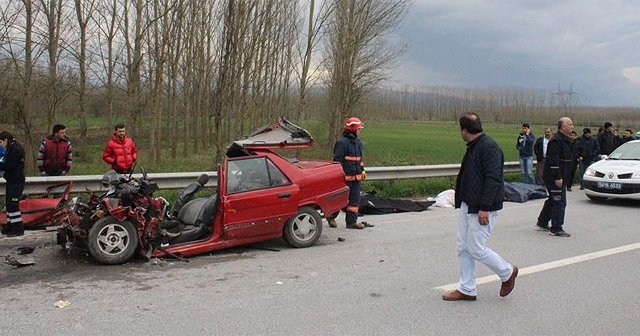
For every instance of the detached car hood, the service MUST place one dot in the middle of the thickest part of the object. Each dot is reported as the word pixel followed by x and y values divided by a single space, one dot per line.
pixel 282 134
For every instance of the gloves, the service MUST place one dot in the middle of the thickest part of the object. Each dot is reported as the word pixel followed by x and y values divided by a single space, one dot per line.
pixel 364 175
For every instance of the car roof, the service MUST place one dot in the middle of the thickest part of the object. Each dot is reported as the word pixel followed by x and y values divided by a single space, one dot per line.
pixel 280 135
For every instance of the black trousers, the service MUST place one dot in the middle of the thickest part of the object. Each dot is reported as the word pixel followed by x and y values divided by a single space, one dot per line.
pixel 554 207
pixel 14 193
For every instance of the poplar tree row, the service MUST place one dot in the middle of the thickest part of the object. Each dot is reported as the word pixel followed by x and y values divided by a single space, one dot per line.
pixel 198 72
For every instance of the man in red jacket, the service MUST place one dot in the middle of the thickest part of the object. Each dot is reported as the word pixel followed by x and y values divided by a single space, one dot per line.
pixel 121 152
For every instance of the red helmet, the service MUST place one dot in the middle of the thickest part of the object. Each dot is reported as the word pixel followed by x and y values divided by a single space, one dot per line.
pixel 353 124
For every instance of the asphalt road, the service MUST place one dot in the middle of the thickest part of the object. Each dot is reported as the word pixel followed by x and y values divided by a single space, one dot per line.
pixel 378 281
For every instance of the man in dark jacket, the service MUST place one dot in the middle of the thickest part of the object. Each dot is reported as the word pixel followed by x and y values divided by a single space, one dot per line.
pixel 540 150
pixel 348 151
pixel 557 175
pixel 479 195
pixel 627 136
pixel 13 167
pixel 587 152
pixel 55 155
pixel 606 139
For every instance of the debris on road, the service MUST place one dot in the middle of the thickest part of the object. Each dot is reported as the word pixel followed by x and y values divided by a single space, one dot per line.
pixel 25 250
pixel 340 239
pixel 19 261
pixel 62 303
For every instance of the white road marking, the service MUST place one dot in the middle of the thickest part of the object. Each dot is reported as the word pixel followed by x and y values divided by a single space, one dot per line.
pixel 550 265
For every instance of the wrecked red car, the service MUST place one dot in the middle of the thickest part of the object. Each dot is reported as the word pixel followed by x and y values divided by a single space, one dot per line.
pixel 260 195
pixel 39 210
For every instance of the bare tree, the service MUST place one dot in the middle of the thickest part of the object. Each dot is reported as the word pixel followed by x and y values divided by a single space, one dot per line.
pixel 84 12
pixel 358 53
pixel 20 17
pixel 174 53
pixel 133 34
pixel 307 74
pixel 107 22
pixel 54 20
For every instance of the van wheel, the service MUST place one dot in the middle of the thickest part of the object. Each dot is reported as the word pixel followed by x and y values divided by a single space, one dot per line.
pixel 111 241
pixel 303 229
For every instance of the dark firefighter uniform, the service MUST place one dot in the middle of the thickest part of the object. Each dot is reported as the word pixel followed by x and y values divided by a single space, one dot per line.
pixel 348 151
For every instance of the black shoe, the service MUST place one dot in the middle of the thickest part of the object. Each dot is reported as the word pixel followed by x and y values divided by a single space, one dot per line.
pixel 581 188
pixel 358 226
pixel 5 229
pixel 14 233
pixel 13 230
pixel 542 227
pixel 568 188
pixel 560 234
pixel 367 224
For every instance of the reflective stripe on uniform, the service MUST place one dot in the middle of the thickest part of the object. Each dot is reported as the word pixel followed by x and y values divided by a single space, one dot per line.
pixel 14 217
pixel 352 208
pixel 353 158
pixel 353 177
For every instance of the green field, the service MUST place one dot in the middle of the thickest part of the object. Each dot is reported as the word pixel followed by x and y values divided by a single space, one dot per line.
pixel 386 144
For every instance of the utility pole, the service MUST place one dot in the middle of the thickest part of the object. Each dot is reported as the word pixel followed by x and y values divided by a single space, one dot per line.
pixel 567 99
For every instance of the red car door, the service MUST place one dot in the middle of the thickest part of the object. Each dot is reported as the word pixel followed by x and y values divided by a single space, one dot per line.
pixel 258 199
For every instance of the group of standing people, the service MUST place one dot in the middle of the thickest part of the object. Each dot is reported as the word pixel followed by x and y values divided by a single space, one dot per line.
pixel 586 149
pixel 609 140
pixel 54 158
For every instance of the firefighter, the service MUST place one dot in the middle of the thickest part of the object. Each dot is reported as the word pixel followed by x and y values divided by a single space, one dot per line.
pixel 348 151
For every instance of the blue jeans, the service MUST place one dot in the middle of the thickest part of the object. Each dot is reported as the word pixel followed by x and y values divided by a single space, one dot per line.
pixel 526 167
pixel 472 246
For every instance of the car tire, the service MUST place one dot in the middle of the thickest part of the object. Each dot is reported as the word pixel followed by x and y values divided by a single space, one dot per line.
pixel 303 229
pixel 596 199
pixel 111 241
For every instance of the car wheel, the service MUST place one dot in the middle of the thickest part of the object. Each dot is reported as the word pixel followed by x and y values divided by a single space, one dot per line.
pixel 597 198
pixel 303 229
pixel 111 241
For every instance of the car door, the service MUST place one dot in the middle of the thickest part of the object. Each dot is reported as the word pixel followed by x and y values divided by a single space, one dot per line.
pixel 259 198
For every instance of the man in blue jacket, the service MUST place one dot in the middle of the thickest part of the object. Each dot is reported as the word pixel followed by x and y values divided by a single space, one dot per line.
pixel 479 196
pixel 524 144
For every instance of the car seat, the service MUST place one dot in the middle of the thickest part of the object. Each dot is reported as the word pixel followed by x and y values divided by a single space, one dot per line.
pixel 197 217
pixel 187 194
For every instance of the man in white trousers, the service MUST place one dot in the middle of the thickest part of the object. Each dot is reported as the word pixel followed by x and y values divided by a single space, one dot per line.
pixel 479 196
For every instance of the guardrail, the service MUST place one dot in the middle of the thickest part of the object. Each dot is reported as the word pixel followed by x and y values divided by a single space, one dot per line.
pixel 92 183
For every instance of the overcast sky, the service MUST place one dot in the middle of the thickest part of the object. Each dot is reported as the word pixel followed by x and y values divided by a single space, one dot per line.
pixel 594 44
